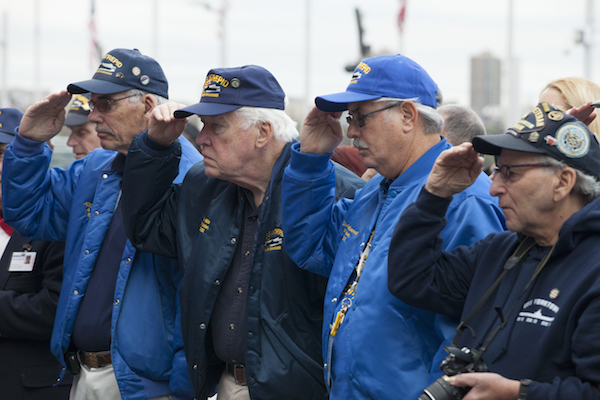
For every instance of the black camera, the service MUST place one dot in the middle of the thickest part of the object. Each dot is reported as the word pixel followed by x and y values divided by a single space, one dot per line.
pixel 456 362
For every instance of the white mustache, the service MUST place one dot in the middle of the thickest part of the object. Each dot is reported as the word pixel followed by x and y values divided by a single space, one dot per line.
pixel 359 144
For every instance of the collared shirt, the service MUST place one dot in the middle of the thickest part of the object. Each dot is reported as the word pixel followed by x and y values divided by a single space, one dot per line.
pixel 228 319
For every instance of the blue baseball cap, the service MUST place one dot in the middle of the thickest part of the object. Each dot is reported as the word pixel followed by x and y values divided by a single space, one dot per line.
pixel 549 131
pixel 124 69
pixel 383 76
pixel 227 89
pixel 10 119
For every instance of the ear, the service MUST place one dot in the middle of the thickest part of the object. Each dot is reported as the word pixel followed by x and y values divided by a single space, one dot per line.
pixel 265 134
pixel 565 182
pixel 149 102
pixel 409 114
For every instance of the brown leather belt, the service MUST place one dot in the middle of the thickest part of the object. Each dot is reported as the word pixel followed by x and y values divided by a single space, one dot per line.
pixel 95 360
pixel 239 373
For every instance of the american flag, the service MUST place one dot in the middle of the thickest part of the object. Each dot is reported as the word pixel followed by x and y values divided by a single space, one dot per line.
pixel 401 15
pixel 95 50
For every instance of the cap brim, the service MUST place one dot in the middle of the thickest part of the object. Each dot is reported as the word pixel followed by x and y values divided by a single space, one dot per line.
pixel 205 108
pixel 96 86
pixel 337 102
pixel 74 119
pixel 494 144
pixel 6 137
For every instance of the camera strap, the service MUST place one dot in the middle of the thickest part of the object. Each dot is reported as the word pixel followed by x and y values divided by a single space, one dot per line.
pixel 525 245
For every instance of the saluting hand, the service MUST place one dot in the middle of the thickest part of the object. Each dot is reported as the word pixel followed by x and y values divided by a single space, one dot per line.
pixel 454 170
pixel 321 132
pixel 163 127
pixel 44 119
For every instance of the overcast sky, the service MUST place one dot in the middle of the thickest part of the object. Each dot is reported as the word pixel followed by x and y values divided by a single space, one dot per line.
pixel 441 35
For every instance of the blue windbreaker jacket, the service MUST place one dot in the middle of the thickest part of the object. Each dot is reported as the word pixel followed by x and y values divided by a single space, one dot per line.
pixel 384 349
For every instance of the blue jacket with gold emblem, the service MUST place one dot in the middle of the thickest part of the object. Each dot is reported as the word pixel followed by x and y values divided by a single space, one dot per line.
pixel 76 205
pixel 200 222
pixel 384 348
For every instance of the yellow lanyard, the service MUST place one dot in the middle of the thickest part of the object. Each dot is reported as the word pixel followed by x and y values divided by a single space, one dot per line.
pixel 351 291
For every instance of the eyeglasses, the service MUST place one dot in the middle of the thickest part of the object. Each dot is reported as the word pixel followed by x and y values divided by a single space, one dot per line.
pixel 359 119
pixel 105 105
pixel 504 170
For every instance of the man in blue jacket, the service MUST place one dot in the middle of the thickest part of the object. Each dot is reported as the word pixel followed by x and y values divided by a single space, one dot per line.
pixel 531 295
pixel 251 319
pixel 117 321
pixel 374 345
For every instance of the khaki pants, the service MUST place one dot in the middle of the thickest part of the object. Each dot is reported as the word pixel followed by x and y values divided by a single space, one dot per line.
pixel 98 384
pixel 229 390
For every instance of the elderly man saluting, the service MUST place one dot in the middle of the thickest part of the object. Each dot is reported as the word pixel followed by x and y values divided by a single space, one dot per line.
pixel 250 317
pixel 530 297
pixel 117 321
pixel 375 346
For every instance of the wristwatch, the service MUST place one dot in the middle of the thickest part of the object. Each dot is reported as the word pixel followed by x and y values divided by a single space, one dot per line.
pixel 523 388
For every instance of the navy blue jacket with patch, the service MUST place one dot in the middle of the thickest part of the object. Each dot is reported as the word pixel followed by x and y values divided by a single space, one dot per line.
pixel 553 333
pixel 199 221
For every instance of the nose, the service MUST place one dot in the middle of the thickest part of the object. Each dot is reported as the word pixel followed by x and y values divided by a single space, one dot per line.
pixel 497 187
pixel 71 141
pixel 352 131
pixel 95 116
pixel 202 137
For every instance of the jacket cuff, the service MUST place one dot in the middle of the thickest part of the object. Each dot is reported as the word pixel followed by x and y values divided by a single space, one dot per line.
pixel 24 147
pixel 309 166
pixel 431 204
pixel 155 149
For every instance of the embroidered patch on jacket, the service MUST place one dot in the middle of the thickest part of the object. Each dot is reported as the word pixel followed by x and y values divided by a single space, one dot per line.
pixel 348 230
pixel 274 240
pixel 88 209
pixel 204 225
pixel 538 312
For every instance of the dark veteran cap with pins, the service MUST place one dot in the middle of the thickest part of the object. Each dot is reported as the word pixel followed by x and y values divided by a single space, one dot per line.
pixel 10 119
pixel 227 89
pixel 547 130
pixel 124 69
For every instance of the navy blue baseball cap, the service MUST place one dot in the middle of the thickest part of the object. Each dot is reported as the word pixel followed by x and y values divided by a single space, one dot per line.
pixel 124 69
pixel 549 131
pixel 79 110
pixel 383 76
pixel 10 119
pixel 227 89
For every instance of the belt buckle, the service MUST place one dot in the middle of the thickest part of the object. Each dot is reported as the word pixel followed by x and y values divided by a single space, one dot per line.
pixel 237 368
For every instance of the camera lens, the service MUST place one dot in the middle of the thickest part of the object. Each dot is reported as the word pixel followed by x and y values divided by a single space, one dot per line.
pixel 442 390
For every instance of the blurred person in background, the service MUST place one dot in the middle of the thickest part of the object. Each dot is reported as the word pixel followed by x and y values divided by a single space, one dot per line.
pixel 461 124
pixel 572 92
pixel 83 137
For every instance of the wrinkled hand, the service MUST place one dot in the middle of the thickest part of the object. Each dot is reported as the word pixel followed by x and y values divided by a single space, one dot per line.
pixel 163 127
pixel 487 386
pixel 321 132
pixel 584 113
pixel 454 170
pixel 44 119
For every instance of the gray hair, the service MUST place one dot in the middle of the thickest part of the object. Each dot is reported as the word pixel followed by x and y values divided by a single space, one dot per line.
pixel 432 121
pixel 284 128
pixel 586 187
pixel 137 93
pixel 461 124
